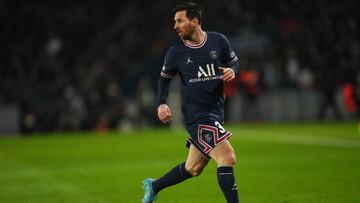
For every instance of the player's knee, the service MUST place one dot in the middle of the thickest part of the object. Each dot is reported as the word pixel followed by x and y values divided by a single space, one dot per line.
pixel 228 159
pixel 231 159
pixel 194 170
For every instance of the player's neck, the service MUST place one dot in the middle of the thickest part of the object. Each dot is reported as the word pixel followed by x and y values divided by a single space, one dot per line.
pixel 197 38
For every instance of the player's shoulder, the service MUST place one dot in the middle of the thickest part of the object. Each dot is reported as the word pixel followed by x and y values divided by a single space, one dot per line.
pixel 173 50
pixel 216 35
pixel 175 45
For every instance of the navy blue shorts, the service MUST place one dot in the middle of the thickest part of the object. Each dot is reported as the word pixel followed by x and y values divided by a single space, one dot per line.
pixel 205 134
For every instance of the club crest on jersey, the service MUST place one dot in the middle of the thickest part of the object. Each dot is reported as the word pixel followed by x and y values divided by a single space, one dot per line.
pixel 213 55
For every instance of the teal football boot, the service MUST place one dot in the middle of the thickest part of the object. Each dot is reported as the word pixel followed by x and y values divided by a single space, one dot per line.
pixel 149 195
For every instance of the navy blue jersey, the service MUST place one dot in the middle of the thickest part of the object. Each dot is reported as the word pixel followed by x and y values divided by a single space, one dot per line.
pixel 202 84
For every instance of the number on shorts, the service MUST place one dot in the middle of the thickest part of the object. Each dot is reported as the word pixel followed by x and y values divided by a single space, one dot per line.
pixel 218 125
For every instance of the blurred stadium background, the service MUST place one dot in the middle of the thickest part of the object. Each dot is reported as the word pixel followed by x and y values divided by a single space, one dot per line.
pixel 93 65
pixel 72 69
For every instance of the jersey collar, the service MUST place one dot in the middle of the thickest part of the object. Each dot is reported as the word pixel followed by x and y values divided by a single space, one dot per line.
pixel 196 46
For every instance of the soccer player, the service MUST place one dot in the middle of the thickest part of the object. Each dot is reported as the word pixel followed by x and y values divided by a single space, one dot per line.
pixel 204 61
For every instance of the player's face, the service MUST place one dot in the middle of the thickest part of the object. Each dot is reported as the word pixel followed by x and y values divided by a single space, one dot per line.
pixel 183 25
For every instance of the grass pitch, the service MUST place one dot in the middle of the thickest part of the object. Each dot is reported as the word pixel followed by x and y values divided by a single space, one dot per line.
pixel 280 163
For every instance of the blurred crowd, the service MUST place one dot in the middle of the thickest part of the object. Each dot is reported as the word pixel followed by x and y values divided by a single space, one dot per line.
pixel 73 65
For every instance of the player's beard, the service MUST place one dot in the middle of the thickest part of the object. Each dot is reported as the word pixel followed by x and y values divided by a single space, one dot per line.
pixel 189 36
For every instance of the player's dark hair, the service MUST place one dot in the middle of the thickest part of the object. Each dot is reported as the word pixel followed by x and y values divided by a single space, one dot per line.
pixel 192 9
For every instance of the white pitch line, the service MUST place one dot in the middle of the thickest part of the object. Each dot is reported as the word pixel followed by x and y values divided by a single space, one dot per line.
pixel 289 138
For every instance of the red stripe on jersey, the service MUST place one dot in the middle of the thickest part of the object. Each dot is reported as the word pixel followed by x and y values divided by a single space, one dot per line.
pixel 166 75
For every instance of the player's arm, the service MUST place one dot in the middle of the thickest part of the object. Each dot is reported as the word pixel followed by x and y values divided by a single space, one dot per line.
pixel 231 65
pixel 163 110
pixel 167 73
pixel 229 73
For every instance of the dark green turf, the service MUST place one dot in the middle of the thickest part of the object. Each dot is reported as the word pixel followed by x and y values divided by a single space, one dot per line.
pixel 275 163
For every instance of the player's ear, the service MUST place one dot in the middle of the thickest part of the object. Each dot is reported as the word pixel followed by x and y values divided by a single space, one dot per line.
pixel 195 21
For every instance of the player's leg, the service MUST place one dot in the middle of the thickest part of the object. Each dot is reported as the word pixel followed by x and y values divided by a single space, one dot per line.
pixel 224 156
pixel 196 161
pixel 193 166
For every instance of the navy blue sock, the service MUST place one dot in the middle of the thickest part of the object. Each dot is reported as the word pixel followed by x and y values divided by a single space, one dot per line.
pixel 226 179
pixel 173 177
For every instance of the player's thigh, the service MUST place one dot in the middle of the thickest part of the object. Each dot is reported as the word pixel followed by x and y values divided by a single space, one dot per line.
pixel 195 161
pixel 223 154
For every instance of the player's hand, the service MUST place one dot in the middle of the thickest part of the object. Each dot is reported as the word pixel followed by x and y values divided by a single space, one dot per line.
pixel 164 113
pixel 228 74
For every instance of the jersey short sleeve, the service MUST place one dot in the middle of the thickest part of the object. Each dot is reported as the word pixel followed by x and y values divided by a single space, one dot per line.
pixel 228 54
pixel 169 68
